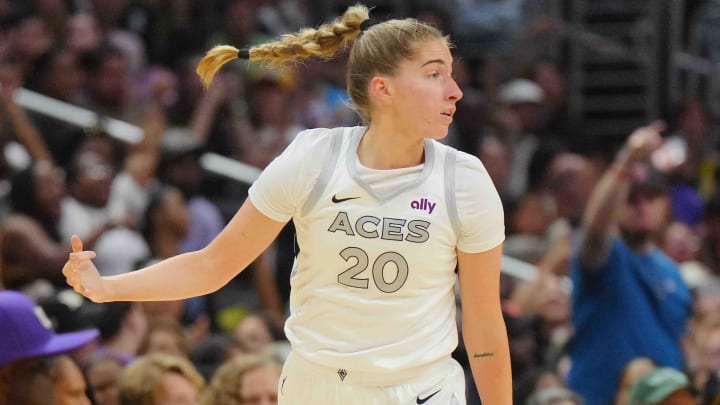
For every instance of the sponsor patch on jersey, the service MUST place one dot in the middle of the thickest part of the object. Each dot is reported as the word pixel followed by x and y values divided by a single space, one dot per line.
pixel 423 204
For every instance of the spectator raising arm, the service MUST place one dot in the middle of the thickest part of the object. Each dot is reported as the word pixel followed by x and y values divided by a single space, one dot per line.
pixel 25 133
pixel 601 214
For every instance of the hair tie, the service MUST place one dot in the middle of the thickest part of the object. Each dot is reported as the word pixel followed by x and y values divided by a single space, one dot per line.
pixel 244 53
pixel 368 23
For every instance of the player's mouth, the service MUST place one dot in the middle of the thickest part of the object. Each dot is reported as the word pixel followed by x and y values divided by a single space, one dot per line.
pixel 448 114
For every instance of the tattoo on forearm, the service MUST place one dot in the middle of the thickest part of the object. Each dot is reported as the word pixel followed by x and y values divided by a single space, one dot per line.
pixel 478 355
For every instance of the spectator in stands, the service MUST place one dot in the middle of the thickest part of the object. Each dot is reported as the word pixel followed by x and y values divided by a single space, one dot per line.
pixel 164 335
pixel 621 278
pixel 534 381
pixel 632 372
pixel 124 24
pixel 239 24
pixel 108 82
pixel 570 179
pixel 214 119
pixel 122 326
pixel 158 379
pixel 255 333
pixel 273 115
pixel 663 386
pixel 33 369
pixel 57 74
pixel 103 376
pixel 166 221
pixel 522 100
pixel 195 327
pixel 86 210
pixel 710 251
pixel 555 396
pixel 530 227
pixel 28 36
pixel 496 157
pixel 70 387
pixel 702 348
pixel 53 12
pixel 17 124
pixel 30 245
pixel 83 33
pixel 693 141
pixel 180 168
pixel 557 123
pixel 243 380
pixel 321 95
pixel 683 244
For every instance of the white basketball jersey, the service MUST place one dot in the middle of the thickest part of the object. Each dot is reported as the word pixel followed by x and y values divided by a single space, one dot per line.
pixel 372 288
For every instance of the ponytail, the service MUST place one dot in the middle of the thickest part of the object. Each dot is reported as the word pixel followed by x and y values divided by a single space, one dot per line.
pixel 323 42
pixel 213 61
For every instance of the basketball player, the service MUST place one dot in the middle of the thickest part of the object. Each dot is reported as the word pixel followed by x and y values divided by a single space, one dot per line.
pixel 383 213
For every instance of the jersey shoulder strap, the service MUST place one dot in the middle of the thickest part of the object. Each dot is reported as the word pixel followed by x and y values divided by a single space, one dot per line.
pixel 450 200
pixel 336 141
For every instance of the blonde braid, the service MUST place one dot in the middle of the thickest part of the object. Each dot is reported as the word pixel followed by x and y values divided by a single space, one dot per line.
pixel 322 42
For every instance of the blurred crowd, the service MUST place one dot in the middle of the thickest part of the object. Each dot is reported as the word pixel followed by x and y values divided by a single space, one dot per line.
pixel 135 203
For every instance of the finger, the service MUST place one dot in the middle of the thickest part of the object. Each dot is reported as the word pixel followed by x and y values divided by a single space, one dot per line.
pixel 67 269
pixel 76 242
pixel 82 256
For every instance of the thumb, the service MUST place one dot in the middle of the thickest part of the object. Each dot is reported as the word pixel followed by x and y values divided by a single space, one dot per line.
pixel 77 245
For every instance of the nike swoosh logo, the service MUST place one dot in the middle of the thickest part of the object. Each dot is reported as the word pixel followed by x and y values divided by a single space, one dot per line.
pixel 339 200
pixel 423 400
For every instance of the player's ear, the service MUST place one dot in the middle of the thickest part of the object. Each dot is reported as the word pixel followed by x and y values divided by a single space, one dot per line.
pixel 379 90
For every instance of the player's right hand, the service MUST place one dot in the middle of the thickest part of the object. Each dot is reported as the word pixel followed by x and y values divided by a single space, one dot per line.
pixel 82 275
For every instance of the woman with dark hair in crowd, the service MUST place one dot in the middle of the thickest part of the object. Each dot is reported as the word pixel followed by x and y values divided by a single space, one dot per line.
pixel 30 246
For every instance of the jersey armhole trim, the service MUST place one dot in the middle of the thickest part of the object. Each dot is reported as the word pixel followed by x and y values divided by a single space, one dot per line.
pixel 327 170
pixel 450 200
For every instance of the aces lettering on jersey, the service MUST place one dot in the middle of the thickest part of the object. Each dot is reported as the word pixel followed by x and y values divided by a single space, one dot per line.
pixel 371 227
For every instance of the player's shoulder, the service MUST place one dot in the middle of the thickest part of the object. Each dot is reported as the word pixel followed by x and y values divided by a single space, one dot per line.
pixel 465 163
pixel 314 137
pixel 471 163
pixel 319 140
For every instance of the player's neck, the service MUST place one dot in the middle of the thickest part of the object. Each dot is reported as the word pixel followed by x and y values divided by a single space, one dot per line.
pixel 386 148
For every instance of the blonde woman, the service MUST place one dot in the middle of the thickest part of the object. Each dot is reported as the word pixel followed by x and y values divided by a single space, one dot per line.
pixel 384 213
pixel 160 379
pixel 244 379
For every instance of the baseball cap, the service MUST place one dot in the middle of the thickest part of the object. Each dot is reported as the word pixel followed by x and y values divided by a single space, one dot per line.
pixel 520 91
pixel 27 331
pixel 657 386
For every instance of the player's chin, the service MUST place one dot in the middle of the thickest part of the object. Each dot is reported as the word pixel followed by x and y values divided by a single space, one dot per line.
pixel 439 133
